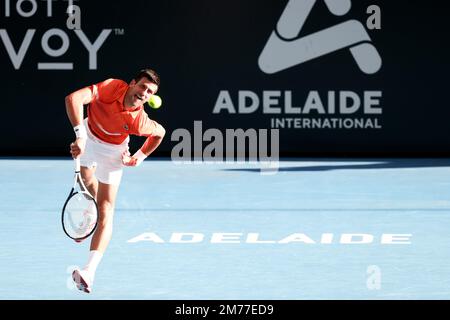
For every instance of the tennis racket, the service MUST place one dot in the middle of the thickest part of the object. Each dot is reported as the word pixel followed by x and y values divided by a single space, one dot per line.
pixel 80 211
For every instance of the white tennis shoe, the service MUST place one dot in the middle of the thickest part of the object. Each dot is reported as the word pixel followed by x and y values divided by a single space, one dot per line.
pixel 83 280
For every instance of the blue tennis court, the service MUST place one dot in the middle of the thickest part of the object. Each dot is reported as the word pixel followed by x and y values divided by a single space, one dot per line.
pixel 314 229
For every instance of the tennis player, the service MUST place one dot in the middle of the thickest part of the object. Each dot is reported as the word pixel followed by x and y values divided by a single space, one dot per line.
pixel 115 111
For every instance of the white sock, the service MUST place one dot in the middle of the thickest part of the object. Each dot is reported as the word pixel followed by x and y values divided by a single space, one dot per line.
pixel 95 257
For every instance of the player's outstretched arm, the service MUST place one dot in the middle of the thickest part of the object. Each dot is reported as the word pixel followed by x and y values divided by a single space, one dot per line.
pixel 74 107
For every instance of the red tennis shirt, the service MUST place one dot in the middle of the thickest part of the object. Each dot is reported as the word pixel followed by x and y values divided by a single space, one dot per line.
pixel 107 118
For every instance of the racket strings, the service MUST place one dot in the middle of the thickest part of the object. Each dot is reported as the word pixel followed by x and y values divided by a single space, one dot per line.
pixel 80 215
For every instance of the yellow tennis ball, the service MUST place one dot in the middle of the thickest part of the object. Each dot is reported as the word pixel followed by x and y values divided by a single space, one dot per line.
pixel 155 101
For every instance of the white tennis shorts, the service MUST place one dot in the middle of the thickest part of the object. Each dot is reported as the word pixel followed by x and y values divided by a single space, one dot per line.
pixel 106 157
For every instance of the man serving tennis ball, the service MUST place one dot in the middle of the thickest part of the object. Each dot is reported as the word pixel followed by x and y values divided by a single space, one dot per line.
pixel 115 111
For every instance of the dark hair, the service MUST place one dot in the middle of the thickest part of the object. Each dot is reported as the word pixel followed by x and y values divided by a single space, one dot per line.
pixel 150 74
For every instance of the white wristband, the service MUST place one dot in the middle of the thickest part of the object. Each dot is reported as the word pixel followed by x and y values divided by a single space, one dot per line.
pixel 80 131
pixel 140 156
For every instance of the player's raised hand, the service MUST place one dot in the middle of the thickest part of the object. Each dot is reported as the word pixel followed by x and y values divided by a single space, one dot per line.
pixel 77 147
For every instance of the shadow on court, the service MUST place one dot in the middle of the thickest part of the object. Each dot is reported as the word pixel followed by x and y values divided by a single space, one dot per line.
pixel 376 164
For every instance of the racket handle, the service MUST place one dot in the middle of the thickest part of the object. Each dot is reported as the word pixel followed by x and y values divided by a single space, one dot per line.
pixel 77 164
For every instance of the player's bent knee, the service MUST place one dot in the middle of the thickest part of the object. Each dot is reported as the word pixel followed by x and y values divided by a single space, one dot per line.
pixel 105 220
pixel 105 224
pixel 105 208
pixel 106 211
